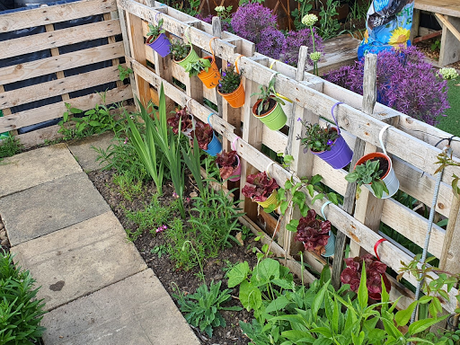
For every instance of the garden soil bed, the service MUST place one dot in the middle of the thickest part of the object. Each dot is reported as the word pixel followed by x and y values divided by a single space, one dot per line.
pixel 171 277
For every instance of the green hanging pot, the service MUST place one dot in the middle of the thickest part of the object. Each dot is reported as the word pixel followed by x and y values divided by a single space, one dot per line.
pixel 190 58
pixel 274 118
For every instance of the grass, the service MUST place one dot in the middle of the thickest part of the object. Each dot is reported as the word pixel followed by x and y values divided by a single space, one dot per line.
pixel 451 123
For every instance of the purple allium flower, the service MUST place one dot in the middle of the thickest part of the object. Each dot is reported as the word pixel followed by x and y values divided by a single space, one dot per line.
pixel 251 19
pixel 405 82
pixel 271 42
pixel 295 39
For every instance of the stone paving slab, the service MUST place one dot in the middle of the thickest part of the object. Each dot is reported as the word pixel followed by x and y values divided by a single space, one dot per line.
pixel 35 167
pixel 135 311
pixel 84 153
pixel 49 207
pixel 80 259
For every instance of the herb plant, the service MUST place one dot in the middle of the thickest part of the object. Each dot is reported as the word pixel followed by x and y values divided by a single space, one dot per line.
pixel 259 186
pixel 230 80
pixel 195 68
pixel 21 313
pixel 368 173
pixel 316 138
pixel 266 94
pixel 155 31
pixel 179 50
pixel 202 309
pixel 314 233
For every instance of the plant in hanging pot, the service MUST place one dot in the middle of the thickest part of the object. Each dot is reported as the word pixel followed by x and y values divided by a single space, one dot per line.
pixel 206 69
pixel 207 139
pixel 375 272
pixel 326 143
pixel 183 53
pixel 183 119
pixel 261 189
pixel 315 234
pixel 231 86
pixel 268 107
pixel 376 173
pixel 157 39
pixel 229 165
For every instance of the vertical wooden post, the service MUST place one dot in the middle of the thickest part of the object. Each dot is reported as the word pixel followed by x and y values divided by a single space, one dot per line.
pixel 450 46
pixel 450 256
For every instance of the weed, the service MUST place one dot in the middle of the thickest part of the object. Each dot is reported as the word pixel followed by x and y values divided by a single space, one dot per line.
pixel 124 72
pixel 159 250
pixel 133 235
pixel 128 187
pixel 9 147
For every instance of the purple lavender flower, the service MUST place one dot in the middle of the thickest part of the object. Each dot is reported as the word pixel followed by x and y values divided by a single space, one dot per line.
pixel 271 42
pixel 405 82
pixel 251 19
pixel 295 39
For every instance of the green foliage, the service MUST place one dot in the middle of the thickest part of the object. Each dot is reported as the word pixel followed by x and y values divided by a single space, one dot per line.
pixel 124 72
pixel 329 24
pixel 368 173
pixel 202 309
pixel 449 123
pixel 159 250
pixel 192 158
pixel 190 7
pixel 20 311
pixel 94 121
pixel 129 188
pixel 10 146
pixel 305 7
pixel 196 67
pixel 230 79
pixel 266 93
pixel 316 138
pixel 155 31
pixel 436 45
pixel 176 236
pixel 179 50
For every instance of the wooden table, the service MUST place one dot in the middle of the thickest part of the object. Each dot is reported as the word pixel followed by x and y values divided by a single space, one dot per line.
pixel 447 13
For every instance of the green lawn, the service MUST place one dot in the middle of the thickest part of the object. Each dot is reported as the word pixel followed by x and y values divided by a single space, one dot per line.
pixel 451 123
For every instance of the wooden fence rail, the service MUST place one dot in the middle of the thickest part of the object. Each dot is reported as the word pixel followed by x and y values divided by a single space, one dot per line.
pixel 408 141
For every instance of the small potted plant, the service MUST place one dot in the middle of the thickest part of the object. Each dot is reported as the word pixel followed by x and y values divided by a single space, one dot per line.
pixel 268 107
pixel 186 121
pixel 157 40
pixel 183 53
pixel 231 86
pixel 326 143
pixel 206 138
pixel 376 173
pixel 261 189
pixel 206 69
pixel 375 271
pixel 229 165
pixel 316 234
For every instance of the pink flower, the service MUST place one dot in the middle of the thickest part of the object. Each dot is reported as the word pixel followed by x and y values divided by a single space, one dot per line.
pixel 161 229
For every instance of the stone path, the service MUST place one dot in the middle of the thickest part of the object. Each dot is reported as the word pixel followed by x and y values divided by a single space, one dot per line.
pixel 96 286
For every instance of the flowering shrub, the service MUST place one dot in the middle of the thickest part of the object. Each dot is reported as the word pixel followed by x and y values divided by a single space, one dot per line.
pixel 271 42
pixel 375 271
pixel 295 39
pixel 259 187
pixel 314 233
pixel 251 19
pixel 405 82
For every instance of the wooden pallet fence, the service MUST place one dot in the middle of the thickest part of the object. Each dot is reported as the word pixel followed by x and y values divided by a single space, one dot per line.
pixel 65 67
pixel 408 141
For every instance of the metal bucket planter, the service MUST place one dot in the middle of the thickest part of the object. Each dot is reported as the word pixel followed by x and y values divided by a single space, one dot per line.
pixel 214 147
pixel 211 77
pixel 390 179
pixel 235 98
pixel 190 58
pixel 236 172
pixel 271 200
pixel 340 154
pixel 330 246
pixel 161 45
pixel 274 119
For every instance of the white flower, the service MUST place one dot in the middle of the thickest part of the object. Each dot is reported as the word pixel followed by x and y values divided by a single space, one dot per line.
pixel 315 56
pixel 309 19
pixel 220 9
pixel 448 73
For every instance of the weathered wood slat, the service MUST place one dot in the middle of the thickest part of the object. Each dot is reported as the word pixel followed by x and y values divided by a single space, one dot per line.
pixel 52 111
pixel 54 14
pixel 58 87
pixel 59 63
pixel 58 38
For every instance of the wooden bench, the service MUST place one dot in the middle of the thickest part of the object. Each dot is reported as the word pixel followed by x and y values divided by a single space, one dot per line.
pixel 447 12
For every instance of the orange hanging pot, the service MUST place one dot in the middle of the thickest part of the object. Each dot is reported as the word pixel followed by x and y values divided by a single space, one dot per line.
pixel 210 78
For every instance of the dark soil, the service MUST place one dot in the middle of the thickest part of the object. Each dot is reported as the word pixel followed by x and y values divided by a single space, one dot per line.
pixel 383 165
pixel 166 271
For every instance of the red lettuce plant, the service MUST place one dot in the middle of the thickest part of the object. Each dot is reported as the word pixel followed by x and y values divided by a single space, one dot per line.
pixel 203 133
pixel 314 233
pixel 227 163
pixel 183 117
pixel 375 271
pixel 259 187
